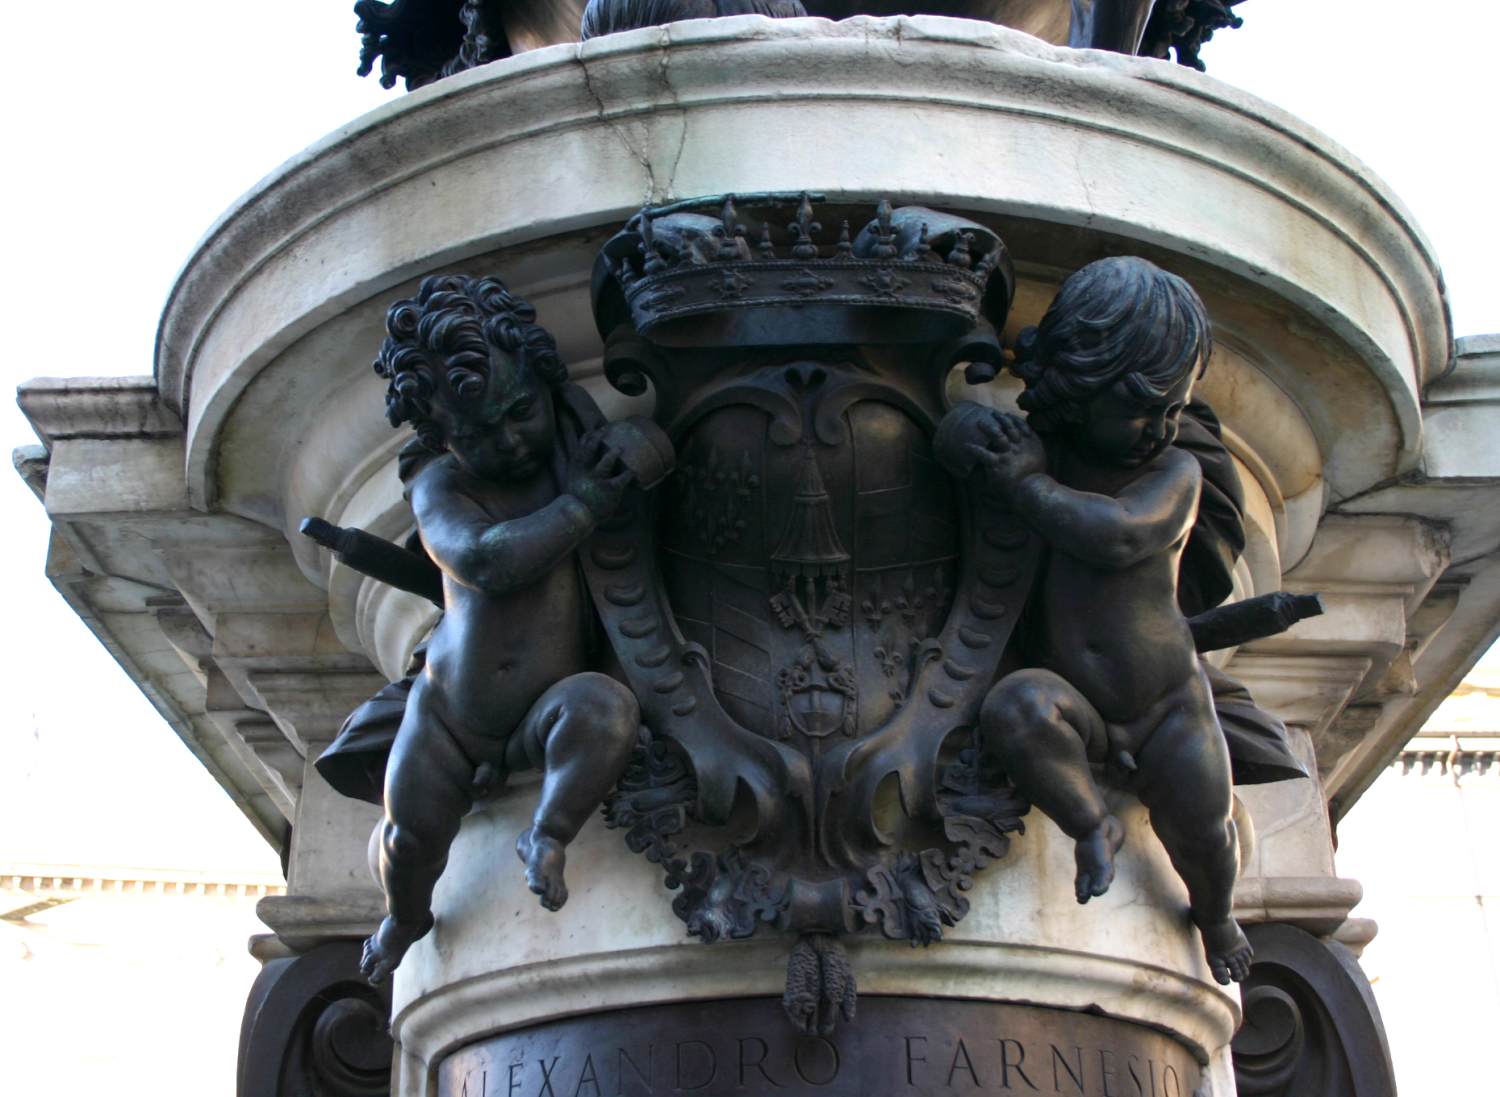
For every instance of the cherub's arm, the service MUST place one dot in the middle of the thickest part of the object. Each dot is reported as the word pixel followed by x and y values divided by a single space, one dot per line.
pixel 1148 517
pixel 494 557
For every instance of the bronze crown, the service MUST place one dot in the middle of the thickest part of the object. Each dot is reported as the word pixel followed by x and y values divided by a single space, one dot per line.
pixel 763 272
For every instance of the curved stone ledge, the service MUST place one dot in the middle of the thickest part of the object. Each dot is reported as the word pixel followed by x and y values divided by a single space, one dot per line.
pixel 562 141
pixel 496 960
pixel 1161 999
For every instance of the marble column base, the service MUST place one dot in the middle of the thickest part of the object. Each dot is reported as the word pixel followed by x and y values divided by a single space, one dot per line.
pixel 905 1044
pixel 497 965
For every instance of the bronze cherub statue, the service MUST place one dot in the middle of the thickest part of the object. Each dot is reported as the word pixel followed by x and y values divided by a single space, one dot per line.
pixel 515 485
pixel 1117 681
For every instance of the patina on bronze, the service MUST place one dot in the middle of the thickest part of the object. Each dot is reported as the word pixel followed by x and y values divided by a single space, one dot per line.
pixel 1113 678
pixel 519 471
pixel 921 1047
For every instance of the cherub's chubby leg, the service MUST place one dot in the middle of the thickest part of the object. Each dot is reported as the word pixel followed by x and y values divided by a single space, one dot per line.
pixel 1043 732
pixel 580 733
pixel 1185 783
pixel 428 790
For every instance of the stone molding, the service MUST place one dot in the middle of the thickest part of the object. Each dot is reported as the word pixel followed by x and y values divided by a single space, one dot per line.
pixel 598 128
pixel 206 612
pixel 496 961
pixel 63 882
pixel 1164 999
pixel 97 407
pixel 1317 904
pixel 1460 757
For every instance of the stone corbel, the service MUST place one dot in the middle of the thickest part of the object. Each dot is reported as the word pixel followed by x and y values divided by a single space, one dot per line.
pixel 310 704
pixel 1332 674
pixel 1286 852
pixel 255 738
pixel 277 757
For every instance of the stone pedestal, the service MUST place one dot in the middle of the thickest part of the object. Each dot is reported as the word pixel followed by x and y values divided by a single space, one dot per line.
pixel 915 1045
pixel 501 981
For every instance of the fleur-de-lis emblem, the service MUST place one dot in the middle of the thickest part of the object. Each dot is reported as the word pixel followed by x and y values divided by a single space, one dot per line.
pixel 957 290
pixel 802 230
pixel 732 285
pixel 884 282
pixel 807 284
pixel 662 296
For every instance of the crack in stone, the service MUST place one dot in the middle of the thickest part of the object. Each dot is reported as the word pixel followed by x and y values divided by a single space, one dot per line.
pixel 662 66
pixel 601 112
pixel 656 191
pixel 1083 180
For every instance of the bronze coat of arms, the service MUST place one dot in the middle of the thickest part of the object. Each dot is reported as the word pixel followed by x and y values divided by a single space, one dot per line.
pixel 808 611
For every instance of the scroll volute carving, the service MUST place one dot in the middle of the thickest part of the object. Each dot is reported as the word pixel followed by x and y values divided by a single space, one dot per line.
pixel 314 1028
pixel 1310 1021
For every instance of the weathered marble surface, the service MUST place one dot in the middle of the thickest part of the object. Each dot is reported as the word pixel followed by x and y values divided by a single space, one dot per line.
pixel 496 959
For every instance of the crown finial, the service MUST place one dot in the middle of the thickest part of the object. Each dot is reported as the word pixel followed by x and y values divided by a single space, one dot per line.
pixel 885 236
pixel 690 277
pixel 924 249
pixel 802 230
pixel 731 232
pixel 654 263
pixel 960 256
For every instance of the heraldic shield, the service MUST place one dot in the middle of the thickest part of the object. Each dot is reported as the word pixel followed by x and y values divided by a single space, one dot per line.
pixel 812 614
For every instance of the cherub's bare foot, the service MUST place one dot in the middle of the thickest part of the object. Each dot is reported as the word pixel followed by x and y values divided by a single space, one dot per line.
pixel 383 950
pixel 544 859
pixel 1095 854
pixel 1229 954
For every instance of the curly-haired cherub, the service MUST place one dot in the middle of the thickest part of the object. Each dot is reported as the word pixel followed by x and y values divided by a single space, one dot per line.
pixel 1116 679
pixel 501 511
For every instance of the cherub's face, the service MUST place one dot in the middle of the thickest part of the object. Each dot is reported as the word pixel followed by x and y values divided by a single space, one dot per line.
pixel 506 432
pixel 1121 428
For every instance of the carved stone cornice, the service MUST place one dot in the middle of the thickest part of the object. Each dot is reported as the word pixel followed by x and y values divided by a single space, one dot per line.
pixel 1459 756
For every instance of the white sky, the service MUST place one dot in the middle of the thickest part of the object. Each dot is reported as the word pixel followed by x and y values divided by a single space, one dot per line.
pixel 129 128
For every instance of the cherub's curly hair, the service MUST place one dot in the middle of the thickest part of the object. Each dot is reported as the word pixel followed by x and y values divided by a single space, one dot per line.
pixel 1117 320
pixel 451 325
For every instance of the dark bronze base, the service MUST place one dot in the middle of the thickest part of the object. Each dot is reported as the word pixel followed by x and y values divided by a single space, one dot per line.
pixel 909 1046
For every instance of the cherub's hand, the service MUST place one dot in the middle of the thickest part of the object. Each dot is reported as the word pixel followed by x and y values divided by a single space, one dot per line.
pixel 1011 452
pixel 597 477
